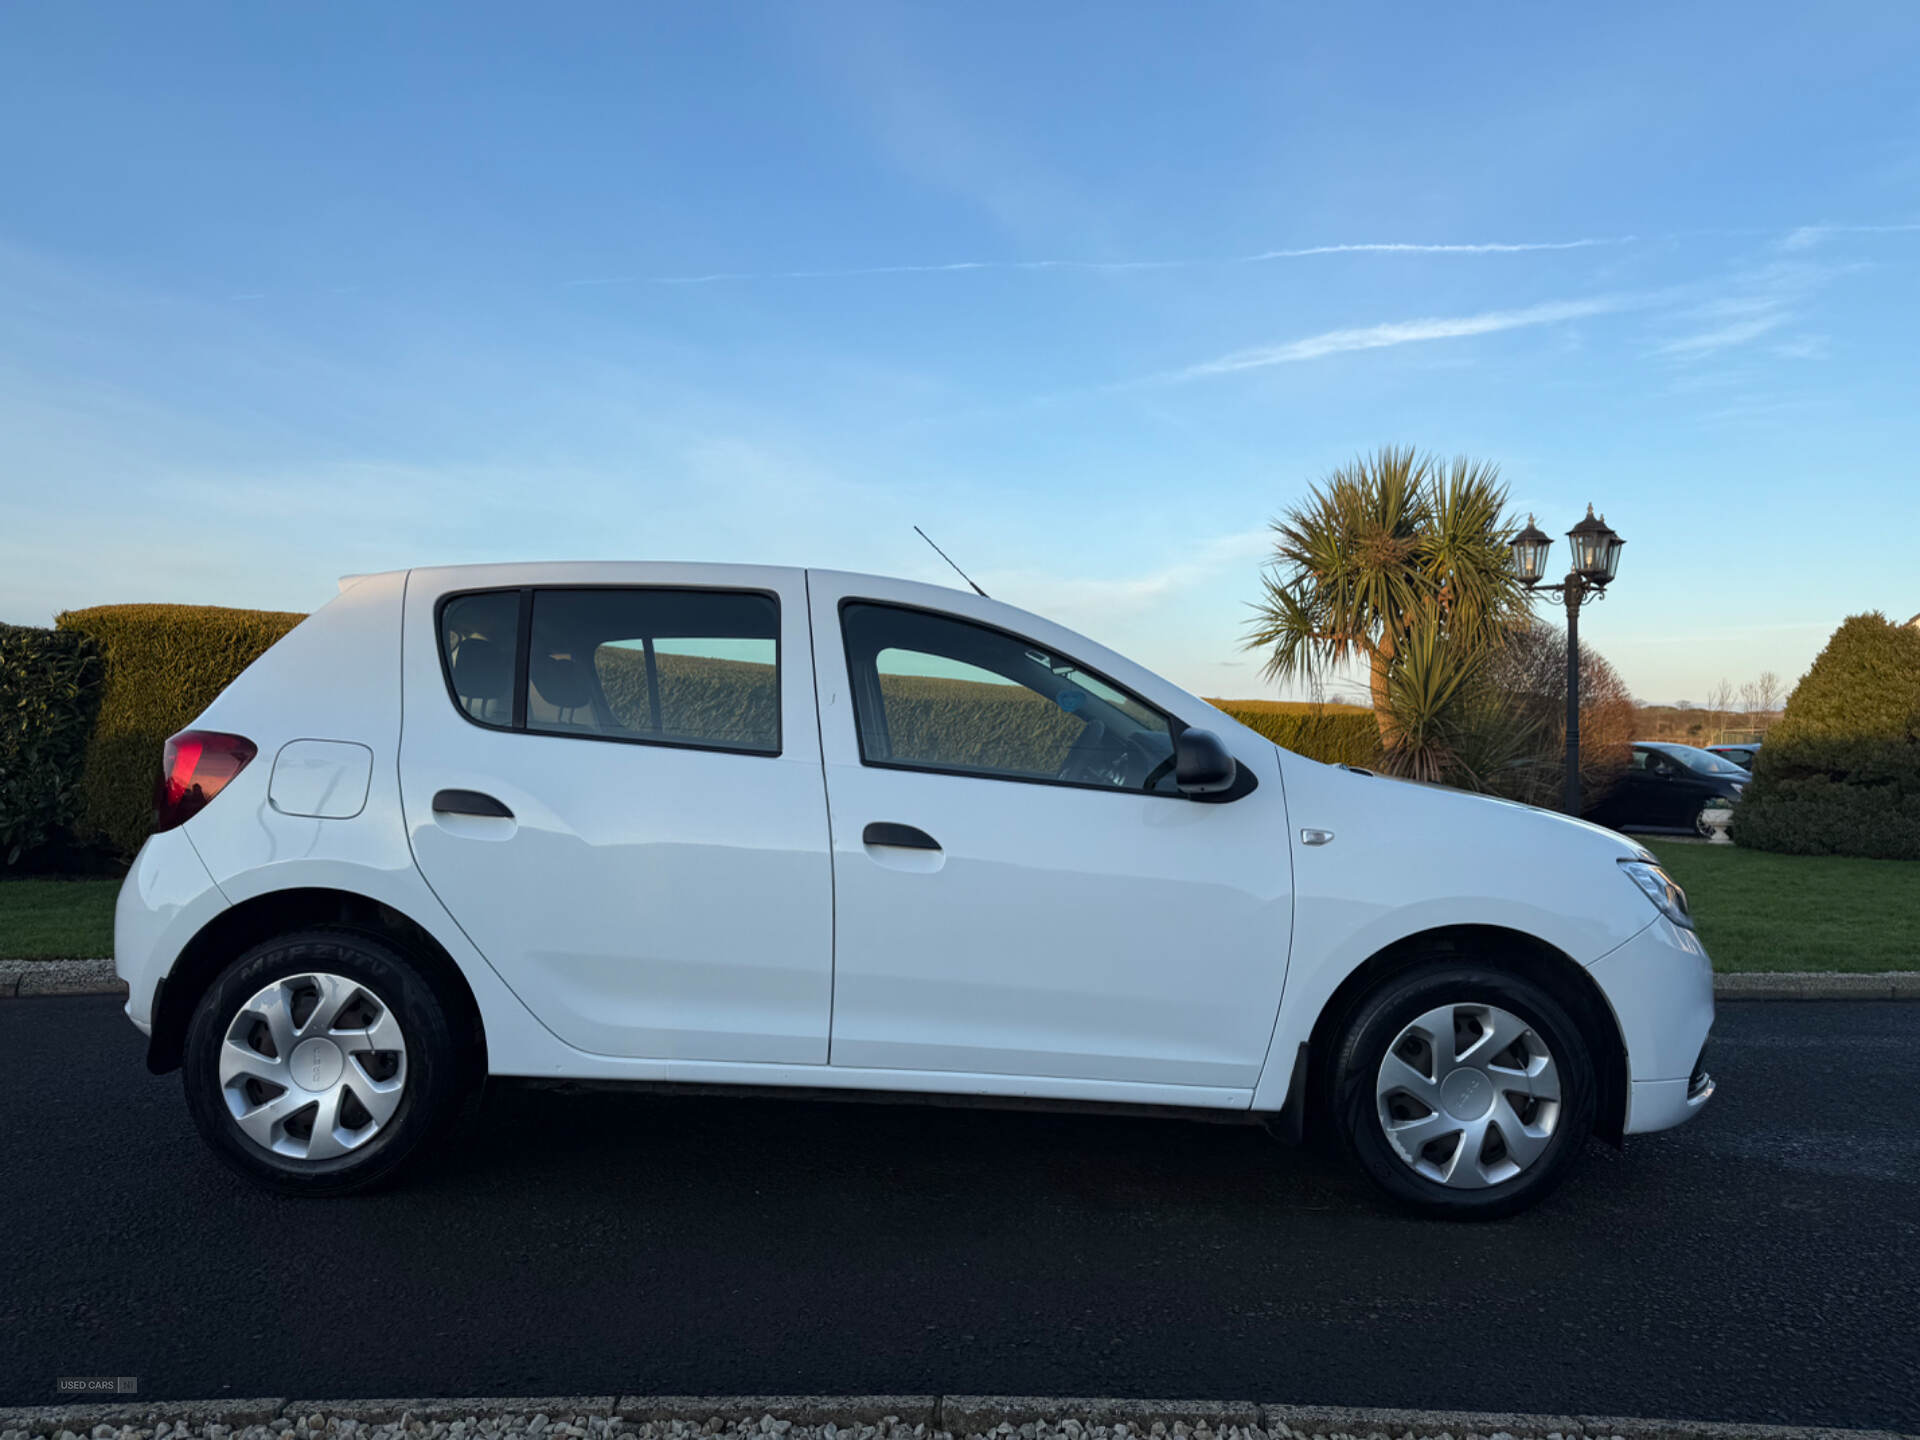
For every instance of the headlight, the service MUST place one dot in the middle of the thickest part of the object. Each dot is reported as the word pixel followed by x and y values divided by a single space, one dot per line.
pixel 1668 898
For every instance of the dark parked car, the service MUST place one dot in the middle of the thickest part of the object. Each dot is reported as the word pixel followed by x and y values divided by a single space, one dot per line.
pixel 1741 755
pixel 1667 786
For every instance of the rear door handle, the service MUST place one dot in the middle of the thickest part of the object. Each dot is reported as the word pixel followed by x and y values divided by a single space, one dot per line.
pixel 469 802
pixel 904 837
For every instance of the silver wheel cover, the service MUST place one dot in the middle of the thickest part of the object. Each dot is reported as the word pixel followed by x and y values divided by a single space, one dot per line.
pixel 313 1066
pixel 1468 1096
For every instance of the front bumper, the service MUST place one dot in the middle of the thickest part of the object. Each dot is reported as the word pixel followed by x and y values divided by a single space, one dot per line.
pixel 1660 985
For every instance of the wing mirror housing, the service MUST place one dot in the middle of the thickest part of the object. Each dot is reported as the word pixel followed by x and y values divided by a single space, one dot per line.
pixel 1201 764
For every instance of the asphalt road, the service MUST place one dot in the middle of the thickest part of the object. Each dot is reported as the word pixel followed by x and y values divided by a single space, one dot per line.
pixel 1758 1265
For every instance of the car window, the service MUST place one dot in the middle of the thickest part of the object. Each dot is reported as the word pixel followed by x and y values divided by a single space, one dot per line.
pixel 1655 762
pixel 478 636
pixel 938 693
pixel 1704 762
pixel 675 667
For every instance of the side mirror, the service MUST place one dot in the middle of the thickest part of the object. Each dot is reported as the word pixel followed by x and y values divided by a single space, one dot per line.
pixel 1201 764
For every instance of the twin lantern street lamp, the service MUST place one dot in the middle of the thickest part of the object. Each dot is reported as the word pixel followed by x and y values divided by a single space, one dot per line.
pixel 1596 559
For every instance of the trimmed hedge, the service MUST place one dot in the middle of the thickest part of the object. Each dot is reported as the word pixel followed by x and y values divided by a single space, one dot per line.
pixel 48 696
pixel 1337 737
pixel 164 664
pixel 1840 772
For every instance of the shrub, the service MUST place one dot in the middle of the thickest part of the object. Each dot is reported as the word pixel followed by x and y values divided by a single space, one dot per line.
pixel 1524 694
pixel 48 695
pixel 1334 736
pixel 1840 772
pixel 163 665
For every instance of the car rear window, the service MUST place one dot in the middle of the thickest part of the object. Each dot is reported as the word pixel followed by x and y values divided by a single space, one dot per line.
pixel 674 667
pixel 655 666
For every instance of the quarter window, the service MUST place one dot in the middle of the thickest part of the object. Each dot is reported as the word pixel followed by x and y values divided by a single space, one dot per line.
pixel 937 693
pixel 477 640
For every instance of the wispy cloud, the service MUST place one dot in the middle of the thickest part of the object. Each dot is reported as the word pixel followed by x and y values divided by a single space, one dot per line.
pixel 1731 323
pixel 1765 299
pixel 1264 257
pixel 1806 347
pixel 1407 332
pixel 1096 603
pixel 1808 236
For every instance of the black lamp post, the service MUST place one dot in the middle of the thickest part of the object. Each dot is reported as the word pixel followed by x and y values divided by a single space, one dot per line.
pixel 1596 560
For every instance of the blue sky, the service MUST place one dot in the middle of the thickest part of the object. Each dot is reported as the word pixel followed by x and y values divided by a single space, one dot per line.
pixel 1091 292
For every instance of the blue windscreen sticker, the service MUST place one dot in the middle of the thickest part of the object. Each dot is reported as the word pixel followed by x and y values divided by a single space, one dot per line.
pixel 1070 700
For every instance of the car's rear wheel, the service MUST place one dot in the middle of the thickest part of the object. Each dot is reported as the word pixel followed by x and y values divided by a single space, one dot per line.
pixel 321 1062
pixel 1463 1091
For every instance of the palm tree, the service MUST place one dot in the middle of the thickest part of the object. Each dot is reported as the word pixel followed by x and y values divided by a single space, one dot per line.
pixel 1394 556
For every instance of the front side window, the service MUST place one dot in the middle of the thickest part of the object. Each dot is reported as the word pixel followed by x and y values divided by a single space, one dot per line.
pixel 937 693
pixel 678 667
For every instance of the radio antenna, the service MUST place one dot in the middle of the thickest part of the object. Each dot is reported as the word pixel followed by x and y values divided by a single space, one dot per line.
pixel 949 559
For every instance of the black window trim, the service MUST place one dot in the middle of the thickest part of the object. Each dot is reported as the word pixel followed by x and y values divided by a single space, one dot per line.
pixel 1246 782
pixel 523 658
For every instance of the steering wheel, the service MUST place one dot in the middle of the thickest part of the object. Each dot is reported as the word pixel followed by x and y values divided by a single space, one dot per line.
pixel 1094 760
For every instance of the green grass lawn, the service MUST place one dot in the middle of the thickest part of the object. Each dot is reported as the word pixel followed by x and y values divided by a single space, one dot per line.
pixel 1760 911
pixel 56 919
pixel 1755 911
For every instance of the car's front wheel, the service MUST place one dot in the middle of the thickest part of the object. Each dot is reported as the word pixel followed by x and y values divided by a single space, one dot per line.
pixel 1463 1091
pixel 320 1062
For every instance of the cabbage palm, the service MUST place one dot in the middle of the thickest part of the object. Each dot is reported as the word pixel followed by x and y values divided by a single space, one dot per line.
pixel 1389 547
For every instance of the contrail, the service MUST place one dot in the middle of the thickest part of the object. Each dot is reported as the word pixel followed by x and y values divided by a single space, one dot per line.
pixel 1262 258
pixel 1407 332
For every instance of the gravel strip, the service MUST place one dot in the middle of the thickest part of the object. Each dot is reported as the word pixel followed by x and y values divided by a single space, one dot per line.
pixel 59 977
pixel 835 1418
pixel 1812 985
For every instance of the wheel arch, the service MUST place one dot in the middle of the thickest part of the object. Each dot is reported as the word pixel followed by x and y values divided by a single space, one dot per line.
pixel 235 930
pixel 1498 945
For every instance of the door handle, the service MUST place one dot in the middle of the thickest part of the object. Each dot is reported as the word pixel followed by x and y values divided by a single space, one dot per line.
pixel 904 837
pixel 469 802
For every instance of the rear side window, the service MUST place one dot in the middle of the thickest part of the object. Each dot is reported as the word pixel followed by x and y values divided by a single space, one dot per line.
pixel 674 667
pixel 477 641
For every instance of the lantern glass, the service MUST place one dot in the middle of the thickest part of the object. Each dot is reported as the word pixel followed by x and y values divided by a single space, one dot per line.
pixel 1530 548
pixel 1614 542
pixel 1591 541
pixel 1587 550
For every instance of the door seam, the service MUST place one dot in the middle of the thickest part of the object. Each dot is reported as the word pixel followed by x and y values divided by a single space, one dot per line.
pixel 826 803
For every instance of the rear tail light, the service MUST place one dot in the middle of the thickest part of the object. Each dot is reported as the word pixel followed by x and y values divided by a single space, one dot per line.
pixel 195 766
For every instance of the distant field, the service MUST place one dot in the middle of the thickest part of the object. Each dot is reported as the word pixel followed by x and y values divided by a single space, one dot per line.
pixel 1289 707
pixel 1698 727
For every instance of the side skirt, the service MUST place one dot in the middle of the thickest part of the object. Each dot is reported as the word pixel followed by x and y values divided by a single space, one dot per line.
pixel 1208 1114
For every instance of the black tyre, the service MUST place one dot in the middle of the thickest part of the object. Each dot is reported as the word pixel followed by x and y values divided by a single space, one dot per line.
pixel 321 1062
pixel 1464 1091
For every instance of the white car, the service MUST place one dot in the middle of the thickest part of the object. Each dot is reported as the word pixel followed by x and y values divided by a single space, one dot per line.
pixel 799 830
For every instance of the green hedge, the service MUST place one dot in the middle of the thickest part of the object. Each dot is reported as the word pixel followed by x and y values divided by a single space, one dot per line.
pixel 48 696
pixel 163 665
pixel 1337 737
pixel 1840 773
